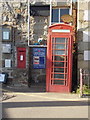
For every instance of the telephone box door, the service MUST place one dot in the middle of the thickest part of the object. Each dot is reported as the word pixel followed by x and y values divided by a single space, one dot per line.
pixel 59 63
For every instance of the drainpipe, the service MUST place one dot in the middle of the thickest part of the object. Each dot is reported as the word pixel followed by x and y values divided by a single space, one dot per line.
pixel 71 7
pixel 28 21
pixel 28 7
pixel 50 12
pixel 81 82
pixel 78 14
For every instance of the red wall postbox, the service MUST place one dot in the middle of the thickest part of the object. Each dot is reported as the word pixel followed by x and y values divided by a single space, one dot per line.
pixel 59 58
pixel 21 57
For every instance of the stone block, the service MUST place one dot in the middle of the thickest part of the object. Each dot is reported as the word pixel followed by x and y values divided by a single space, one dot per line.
pixel 43 71
pixel 0 63
pixel 83 5
pixel 84 64
pixel 86 24
pixel 41 78
pixel 80 57
pixel 83 46
pixel 81 15
pixel 16 5
pixel 20 76
pixel 7 56
pixel 80 35
pixel 35 71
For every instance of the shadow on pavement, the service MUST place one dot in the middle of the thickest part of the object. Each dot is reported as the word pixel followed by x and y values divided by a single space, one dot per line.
pixel 44 104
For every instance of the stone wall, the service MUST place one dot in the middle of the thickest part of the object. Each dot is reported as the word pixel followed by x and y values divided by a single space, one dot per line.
pixel 14 17
pixel 0 37
pixel 82 36
pixel 40 31
pixel 36 75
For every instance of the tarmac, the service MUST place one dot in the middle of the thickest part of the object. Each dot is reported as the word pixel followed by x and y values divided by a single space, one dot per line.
pixel 35 102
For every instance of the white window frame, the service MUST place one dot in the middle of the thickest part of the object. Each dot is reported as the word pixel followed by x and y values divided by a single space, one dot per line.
pixel 70 13
pixel 70 7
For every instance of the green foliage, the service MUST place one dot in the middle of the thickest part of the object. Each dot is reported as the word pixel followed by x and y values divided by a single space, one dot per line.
pixel 78 90
pixel 85 89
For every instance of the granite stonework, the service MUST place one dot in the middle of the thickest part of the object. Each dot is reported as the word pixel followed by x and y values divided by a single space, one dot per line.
pixel 15 17
pixel 83 43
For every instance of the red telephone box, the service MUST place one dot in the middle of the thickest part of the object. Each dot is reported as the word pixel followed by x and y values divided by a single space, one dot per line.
pixel 21 57
pixel 59 58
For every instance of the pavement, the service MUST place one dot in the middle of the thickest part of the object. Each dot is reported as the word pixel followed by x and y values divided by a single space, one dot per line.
pixel 36 103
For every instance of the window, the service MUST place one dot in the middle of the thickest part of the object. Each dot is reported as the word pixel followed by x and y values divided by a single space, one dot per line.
pixel 7 63
pixel 6 34
pixel 86 36
pixel 87 55
pixel 87 15
pixel 57 13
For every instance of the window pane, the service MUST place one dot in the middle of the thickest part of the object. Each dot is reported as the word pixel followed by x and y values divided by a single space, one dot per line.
pixel 60 46
pixel 63 12
pixel 59 64
pixel 59 52
pixel 60 76
pixel 59 82
pixel 60 40
pixel 6 34
pixel 55 15
pixel 60 58
pixel 60 70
